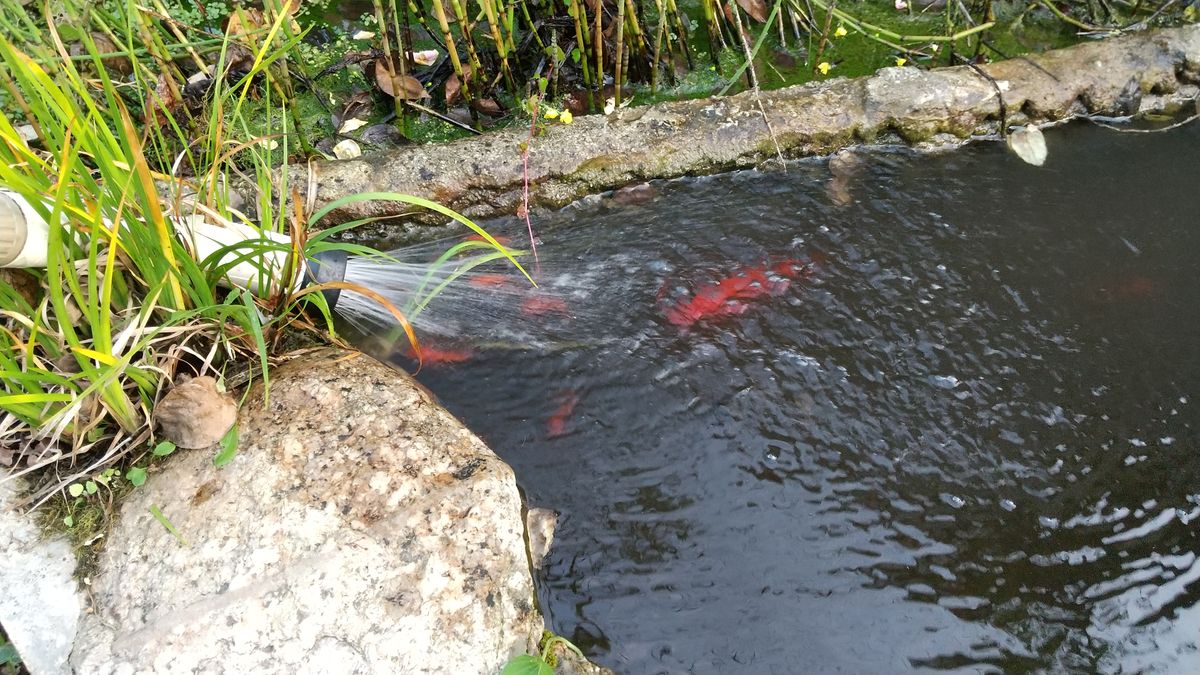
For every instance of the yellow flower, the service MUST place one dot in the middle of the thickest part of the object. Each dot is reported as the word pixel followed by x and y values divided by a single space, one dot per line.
pixel 824 67
pixel 900 60
pixel 551 113
pixel 840 32
pixel 566 117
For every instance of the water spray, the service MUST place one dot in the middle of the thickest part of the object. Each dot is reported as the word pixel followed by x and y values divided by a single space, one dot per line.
pixel 480 303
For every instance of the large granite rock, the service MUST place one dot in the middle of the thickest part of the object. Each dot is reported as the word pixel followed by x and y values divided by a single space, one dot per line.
pixel 360 529
pixel 39 601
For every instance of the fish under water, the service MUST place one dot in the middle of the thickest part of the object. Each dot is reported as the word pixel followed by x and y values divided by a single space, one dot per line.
pixel 556 424
pixel 729 295
pixel 434 355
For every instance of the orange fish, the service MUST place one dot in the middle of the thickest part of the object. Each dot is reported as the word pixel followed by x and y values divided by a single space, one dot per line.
pixel 538 305
pixel 490 280
pixel 726 297
pixel 556 425
pixel 504 241
pixel 436 356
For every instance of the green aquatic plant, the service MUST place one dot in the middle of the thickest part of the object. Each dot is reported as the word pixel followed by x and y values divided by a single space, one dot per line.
pixel 545 661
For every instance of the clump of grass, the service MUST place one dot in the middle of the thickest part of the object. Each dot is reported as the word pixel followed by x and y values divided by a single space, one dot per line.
pixel 93 340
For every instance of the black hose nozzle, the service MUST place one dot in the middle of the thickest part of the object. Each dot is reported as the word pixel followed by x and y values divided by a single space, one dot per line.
pixel 324 267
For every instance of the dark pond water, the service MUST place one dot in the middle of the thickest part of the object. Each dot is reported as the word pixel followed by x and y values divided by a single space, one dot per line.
pixel 967 442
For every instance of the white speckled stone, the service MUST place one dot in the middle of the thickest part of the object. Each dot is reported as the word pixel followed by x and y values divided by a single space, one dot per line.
pixel 360 529
pixel 39 600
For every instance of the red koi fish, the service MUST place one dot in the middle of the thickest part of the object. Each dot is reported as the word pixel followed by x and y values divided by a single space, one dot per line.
pixel 539 305
pixel 556 425
pixel 503 240
pixel 490 280
pixel 432 356
pixel 727 297
pixel 1130 289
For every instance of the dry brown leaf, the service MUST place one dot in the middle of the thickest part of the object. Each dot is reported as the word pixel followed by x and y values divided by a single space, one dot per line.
pixel 195 414
pixel 757 9
pixel 163 103
pixel 454 86
pixel 487 106
pixel 359 105
pixel 404 87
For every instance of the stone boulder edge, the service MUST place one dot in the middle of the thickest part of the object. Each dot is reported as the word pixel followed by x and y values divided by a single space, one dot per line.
pixel 40 605
pixel 359 529
pixel 482 177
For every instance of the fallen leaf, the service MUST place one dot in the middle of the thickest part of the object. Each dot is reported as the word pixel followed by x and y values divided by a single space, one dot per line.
pixel 351 124
pixel 488 107
pixel 454 86
pixel 359 105
pixel 404 87
pixel 755 8
pixel 610 104
pixel 347 149
pixel 1029 144
pixel 163 103
pixel 118 65
pixel 362 35
pixel 425 57
pixel 195 414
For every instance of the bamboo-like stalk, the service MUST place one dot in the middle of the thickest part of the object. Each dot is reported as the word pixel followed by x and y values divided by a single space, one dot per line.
pixel 389 61
pixel 490 11
pixel 581 42
pixel 681 31
pixel 464 27
pixel 658 36
pixel 619 66
pixel 439 13
pixel 598 35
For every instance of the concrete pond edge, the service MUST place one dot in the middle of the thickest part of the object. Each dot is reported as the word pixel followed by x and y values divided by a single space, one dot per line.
pixel 483 177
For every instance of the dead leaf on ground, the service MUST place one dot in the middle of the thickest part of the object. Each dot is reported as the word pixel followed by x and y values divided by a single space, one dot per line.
pixel 487 106
pixel 757 9
pixel 115 65
pixel 163 103
pixel 358 106
pixel 195 414
pixel 454 86
pixel 404 87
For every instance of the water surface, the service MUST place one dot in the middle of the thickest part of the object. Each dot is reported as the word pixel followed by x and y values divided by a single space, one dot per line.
pixel 966 443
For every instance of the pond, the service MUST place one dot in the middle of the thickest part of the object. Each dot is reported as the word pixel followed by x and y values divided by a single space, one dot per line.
pixel 962 436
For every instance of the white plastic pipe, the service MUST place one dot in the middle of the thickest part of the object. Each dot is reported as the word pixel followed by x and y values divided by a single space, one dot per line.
pixel 25 236
pixel 205 240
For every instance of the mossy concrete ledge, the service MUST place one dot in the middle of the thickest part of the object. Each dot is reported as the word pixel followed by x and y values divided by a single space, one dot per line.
pixel 483 176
